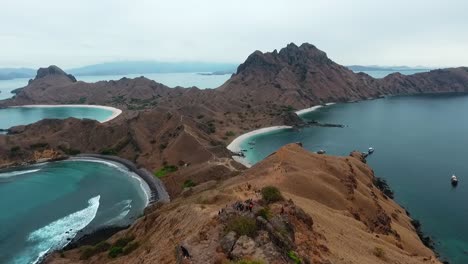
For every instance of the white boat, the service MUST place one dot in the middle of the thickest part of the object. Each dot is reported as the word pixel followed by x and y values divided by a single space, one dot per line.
pixel 371 150
pixel 454 180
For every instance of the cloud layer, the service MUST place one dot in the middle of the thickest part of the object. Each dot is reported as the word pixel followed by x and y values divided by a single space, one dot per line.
pixel 74 33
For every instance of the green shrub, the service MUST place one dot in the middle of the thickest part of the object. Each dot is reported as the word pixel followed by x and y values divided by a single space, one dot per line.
pixel 265 212
pixel 69 151
pixel 122 242
pixel 230 134
pixel 102 246
pixel 243 226
pixel 271 194
pixel 382 185
pixel 130 248
pixel 15 149
pixel 108 151
pixel 89 251
pixel 165 170
pixel 39 145
pixel 115 252
pixel 189 183
pixel 293 256
pixel 379 252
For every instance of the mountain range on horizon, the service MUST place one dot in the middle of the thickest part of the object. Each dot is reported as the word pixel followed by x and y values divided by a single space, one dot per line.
pixel 146 67
pixel 129 67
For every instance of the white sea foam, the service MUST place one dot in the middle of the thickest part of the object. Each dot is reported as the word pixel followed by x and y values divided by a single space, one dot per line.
pixel 124 207
pixel 54 236
pixel 16 173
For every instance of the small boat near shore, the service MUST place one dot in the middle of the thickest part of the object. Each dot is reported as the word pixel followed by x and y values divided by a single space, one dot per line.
pixel 454 180
pixel 370 150
pixel 321 151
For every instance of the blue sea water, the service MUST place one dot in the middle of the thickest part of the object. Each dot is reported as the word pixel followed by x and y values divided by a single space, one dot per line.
pixel 420 142
pixel 44 206
pixel 15 116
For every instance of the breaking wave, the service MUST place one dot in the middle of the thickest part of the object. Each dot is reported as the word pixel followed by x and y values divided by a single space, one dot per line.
pixel 57 234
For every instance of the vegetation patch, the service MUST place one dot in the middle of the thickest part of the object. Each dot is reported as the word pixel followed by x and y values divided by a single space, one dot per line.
pixel 69 151
pixel 379 252
pixel 265 212
pixel 230 134
pixel 382 185
pixel 89 251
pixel 130 248
pixel 39 145
pixel 108 151
pixel 165 170
pixel 242 225
pixel 271 194
pixel 189 183
pixel 427 241
pixel 115 252
pixel 15 149
pixel 294 257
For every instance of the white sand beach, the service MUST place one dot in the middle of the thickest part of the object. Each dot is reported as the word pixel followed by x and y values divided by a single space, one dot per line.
pixel 311 109
pixel 115 111
pixel 235 145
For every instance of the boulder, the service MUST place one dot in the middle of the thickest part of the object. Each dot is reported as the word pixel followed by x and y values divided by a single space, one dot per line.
pixel 244 247
pixel 228 241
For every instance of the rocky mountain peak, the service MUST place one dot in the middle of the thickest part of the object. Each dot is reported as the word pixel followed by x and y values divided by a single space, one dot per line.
pixel 53 70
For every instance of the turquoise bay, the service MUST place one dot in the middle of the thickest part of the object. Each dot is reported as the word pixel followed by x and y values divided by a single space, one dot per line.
pixel 14 116
pixel 44 206
pixel 420 142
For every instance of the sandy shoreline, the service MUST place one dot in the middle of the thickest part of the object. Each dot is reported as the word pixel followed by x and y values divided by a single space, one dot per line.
pixel 311 109
pixel 115 111
pixel 235 145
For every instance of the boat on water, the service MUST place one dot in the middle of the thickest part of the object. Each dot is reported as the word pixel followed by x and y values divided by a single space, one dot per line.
pixel 321 151
pixel 370 150
pixel 454 180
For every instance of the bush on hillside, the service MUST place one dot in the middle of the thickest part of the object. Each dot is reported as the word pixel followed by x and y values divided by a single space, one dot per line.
pixel 271 194
pixel 165 170
pixel 242 225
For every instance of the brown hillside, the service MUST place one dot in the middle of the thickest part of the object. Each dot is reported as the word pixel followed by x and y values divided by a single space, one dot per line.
pixel 335 215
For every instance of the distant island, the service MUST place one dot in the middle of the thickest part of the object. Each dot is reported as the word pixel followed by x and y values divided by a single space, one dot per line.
pixel 130 67
pixel 358 68
pixel 15 73
pixel 217 73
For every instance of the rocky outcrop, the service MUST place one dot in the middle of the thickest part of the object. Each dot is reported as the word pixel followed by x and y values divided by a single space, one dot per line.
pixel 53 70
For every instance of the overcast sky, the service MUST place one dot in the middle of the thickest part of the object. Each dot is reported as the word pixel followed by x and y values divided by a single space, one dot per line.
pixel 74 33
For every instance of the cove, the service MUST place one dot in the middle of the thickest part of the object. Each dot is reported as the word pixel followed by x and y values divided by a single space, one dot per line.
pixel 45 206
pixel 14 116
pixel 420 142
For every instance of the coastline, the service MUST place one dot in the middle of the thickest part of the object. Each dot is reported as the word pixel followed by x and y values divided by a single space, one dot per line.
pixel 235 145
pixel 115 111
pixel 313 108
pixel 158 192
